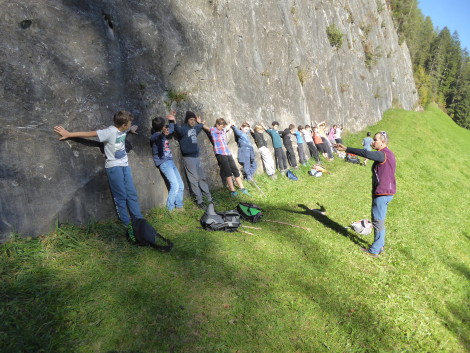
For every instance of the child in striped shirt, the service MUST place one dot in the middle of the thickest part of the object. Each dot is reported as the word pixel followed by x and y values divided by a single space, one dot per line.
pixel 224 158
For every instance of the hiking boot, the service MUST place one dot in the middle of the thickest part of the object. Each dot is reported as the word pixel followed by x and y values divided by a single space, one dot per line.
pixel 130 233
pixel 233 193
pixel 245 191
pixel 366 251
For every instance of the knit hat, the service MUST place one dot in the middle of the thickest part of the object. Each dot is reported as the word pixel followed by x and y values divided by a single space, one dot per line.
pixel 189 115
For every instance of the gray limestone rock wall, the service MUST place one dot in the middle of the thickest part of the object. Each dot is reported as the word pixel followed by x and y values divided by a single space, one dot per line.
pixel 75 63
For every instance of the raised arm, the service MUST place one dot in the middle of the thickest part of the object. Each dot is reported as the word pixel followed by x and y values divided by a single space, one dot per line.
pixel 236 130
pixel 377 156
pixel 171 123
pixel 65 134
pixel 205 127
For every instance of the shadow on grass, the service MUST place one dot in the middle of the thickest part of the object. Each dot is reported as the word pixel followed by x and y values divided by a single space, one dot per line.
pixel 112 297
pixel 460 313
pixel 32 308
pixel 328 222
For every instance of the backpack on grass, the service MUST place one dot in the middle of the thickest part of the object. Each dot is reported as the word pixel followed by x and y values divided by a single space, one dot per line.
pixel 250 212
pixel 351 158
pixel 144 234
pixel 227 221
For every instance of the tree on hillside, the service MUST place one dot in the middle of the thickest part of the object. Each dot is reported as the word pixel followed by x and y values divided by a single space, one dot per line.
pixel 459 106
pixel 404 14
pixel 440 66
pixel 424 37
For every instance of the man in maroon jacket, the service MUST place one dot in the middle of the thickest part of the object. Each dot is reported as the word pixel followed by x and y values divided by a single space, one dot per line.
pixel 383 185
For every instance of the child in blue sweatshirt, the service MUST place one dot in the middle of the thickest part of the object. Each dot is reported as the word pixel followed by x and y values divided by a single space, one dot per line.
pixel 246 153
pixel 163 159
pixel 300 145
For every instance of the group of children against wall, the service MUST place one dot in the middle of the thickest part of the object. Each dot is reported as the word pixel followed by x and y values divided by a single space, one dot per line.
pixel 317 140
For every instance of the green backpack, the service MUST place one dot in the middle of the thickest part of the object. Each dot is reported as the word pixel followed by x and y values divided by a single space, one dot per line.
pixel 250 212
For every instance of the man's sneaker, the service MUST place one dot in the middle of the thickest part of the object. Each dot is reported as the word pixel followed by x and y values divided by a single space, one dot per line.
pixel 201 205
pixel 130 233
pixel 366 251
pixel 245 191
pixel 233 193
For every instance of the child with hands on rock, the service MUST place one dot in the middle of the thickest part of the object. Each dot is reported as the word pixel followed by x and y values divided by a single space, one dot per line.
pixel 224 158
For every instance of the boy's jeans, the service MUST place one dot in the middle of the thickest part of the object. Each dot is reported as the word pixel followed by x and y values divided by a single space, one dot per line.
pixel 124 193
pixel 175 194
pixel 379 213
pixel 246 157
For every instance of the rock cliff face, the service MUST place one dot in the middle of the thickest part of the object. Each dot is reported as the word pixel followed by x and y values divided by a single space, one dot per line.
pixel 75 63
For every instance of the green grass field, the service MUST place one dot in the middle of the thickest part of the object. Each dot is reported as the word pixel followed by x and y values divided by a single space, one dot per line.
pixel 281 289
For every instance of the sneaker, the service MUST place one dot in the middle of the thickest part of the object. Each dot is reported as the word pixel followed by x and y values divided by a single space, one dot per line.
pixel 130 233
pixel 201 205
pixel 178 209
pixel 245 191
pixel 233 193
pixel 273 176
pixel 366 251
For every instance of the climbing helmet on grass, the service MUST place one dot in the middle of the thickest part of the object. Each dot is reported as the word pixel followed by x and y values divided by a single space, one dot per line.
pixel 250 212
pixel 364 226
pixel 315 173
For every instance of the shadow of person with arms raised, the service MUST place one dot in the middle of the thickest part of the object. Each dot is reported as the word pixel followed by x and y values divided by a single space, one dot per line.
pixel 320 215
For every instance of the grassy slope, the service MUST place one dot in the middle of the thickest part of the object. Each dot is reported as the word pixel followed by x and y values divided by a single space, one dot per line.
pixel 283 289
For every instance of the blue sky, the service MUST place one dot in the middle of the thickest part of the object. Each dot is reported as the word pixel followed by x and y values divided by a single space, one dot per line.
pixel 455 14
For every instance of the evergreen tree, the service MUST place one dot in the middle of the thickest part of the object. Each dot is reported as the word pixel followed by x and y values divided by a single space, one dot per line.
pixel 424 38
pixel 441 68
pixel 459 107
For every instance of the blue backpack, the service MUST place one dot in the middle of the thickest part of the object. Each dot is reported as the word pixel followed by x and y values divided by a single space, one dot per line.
pixel 291 175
